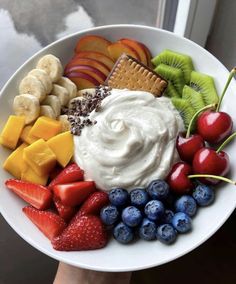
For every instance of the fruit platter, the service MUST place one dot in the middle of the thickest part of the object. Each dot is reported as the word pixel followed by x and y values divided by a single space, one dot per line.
pixel 117 148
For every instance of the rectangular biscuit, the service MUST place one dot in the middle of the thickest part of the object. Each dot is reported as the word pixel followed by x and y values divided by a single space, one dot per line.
pixel 128 73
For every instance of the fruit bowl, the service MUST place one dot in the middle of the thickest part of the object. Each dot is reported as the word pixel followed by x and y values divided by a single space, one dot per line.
pixel 140 254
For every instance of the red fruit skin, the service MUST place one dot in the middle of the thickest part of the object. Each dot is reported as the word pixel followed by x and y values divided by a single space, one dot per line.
pixel 187 147
pixel 49 223
pixel 94 203
pixel 36 195
pixel 71 173
pixel 73 194
pixel 66 212
pixel 178 178
pixel 207 161
pixel 83 233
pixel 214 127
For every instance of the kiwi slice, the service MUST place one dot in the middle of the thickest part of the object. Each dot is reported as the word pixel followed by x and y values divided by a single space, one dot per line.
pixel 204 84
pixel 193 97
pixel 185 109
pixel 171 91
pixel 176 60
pixel 173 75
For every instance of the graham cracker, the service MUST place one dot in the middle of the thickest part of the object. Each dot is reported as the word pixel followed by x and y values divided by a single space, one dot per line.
pixel 128 73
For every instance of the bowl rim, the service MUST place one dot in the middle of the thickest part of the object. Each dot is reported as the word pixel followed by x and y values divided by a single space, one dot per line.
pixel 99 268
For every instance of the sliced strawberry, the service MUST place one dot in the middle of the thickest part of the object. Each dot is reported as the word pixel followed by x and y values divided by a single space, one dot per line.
pixel 73 194
pixel 49 223
pixel 71 173
pixel 83 233
pixel 37 195
pixel 94 203
pixel 55 172
pixel 66 212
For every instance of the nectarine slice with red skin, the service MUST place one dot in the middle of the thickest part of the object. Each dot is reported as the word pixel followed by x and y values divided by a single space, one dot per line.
pixel 93 72
pixel 89 62
pixel 93 43
pixel 82 80
pixel 97 56
pixel 148 54
pixel 116 49
pixel 138 47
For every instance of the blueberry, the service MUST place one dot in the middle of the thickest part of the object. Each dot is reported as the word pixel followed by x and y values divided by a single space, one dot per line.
pixel 118 196
pixel 166 234
pixel 109 215
pixel 186 204
pixel 147 230
pixel 131 216
pixel 167 217
pixel 204 195
pixel 139 197
pixel 154 210
pixel 122 233
pixel 158 189
pixel 182 222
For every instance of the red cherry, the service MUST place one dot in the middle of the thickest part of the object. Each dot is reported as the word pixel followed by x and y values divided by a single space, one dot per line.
pixel 214 126
pixel 208 161
pixel 178 178
pixel 188 146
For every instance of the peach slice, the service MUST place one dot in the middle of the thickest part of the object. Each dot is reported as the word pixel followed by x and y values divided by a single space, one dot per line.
pixel 97 56
pixel 92 43
pixel 89 62
pixel 93 72
pixel 118 48
pixel 82 80
pixel 148 54
pixel 138 47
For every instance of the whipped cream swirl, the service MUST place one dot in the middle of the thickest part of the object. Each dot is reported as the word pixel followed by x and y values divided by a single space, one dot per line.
pixel 132 143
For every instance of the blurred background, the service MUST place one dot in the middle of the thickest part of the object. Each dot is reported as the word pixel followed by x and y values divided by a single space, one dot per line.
pixel 28 25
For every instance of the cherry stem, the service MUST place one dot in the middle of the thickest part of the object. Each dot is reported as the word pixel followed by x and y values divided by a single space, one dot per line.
pixel 231 137
pixel 196 115
pixel 214 177
pixel 231 75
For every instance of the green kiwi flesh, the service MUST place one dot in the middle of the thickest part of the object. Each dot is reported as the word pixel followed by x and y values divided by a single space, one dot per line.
pixel 194 98
pixel 204 84
pixel 176 60
pixel 185 109
pixel 171 91
pixel 173 75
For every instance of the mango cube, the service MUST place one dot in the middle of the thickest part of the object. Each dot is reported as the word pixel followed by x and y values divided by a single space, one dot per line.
pixel 14 164
pixel 12 131
pixel 45 128
pixel 39 157
pixel 62 146
pixel 29 175
pixel 26 137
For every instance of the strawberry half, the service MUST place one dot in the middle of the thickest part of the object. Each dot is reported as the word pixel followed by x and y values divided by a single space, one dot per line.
pixel 37 195
pixel 94 203
pixel 66 212
pixel 73 194
pixel 70 174
pixel 83 233
pixel 49 223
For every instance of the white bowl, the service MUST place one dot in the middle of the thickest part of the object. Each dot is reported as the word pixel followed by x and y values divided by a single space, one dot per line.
pixel 140 255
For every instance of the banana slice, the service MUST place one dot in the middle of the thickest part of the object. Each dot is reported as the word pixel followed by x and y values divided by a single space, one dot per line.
pixel 43 77
pixel 64 122
pixel 46 110
pixel 52 66
pixel 70 104
pixel 69 85
pixel 84 91
pixel 31 85
pixel 54 103
pixel 27 105
pixel 61 93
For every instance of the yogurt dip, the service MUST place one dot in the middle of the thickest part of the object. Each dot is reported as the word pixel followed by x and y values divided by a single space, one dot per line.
pixel 132 143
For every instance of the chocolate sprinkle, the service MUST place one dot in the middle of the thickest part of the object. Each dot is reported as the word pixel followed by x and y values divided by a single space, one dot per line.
pixel 80 109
